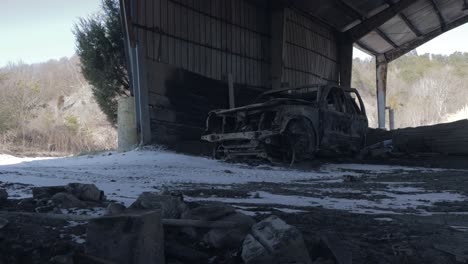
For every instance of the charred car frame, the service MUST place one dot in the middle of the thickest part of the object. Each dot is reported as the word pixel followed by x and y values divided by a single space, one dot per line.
pixel 290 124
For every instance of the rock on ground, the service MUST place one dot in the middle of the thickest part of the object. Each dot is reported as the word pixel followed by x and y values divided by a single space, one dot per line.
pixel 230 238
pixel 274 241
pixel 47 192
pixel 66 200
pixel 170 206
pixel 85 192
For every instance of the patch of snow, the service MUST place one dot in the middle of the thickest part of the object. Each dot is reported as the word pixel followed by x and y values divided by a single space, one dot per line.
pixel 124 176
pixel 384 219
pixel 78 239
pixel 11 160
pixel 391 205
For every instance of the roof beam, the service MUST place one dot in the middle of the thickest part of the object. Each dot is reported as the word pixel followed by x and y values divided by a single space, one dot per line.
pixel 405 48
pixel 386 38
pixel 377 20
pixel 358 13
pixel 354 12
pixel 439 14
pixel 366 48
pixel 410 25
pixel 406 21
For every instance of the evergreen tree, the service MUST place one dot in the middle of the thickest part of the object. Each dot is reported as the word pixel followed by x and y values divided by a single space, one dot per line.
pixel 100 47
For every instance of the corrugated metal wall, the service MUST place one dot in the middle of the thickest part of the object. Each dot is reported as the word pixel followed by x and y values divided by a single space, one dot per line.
pixel 214 38
pixel 190 46
pixel 208 37
pixel 311 52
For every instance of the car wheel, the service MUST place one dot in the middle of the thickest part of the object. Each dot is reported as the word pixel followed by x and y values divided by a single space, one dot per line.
pixel 299 140
pixel 218 152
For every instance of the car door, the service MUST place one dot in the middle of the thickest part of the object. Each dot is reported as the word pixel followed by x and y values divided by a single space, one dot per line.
pixel 335 120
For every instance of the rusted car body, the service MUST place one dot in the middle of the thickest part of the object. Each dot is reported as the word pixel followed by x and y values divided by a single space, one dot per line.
pixel 290 124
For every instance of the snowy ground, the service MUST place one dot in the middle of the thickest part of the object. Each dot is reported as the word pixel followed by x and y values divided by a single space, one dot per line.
pixel 123 176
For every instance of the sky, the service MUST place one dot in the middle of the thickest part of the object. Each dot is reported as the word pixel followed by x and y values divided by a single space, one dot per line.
pixel 39 30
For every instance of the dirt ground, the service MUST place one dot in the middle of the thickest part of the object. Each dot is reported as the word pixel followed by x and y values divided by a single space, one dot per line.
pixel 417 213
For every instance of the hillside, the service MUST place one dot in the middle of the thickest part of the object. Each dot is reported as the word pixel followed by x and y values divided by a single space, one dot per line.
pixel 49 107
pixel 424 90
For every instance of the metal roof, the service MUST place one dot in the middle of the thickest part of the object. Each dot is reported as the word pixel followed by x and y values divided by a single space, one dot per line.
pixel 388 28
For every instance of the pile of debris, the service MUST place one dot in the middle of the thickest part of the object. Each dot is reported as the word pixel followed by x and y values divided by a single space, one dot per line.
pixel 156 228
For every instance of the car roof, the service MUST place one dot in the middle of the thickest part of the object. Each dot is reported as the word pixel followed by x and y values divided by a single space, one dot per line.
pixel 305 87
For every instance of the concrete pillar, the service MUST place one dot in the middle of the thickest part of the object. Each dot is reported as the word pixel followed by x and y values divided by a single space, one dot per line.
pixel 345 50
pixel 278 34
pixel 126 124
pixel 381 82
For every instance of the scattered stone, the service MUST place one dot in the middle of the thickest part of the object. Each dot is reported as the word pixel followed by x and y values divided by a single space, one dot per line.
pixel 62 259
pixel 86 192
pixel 3 196
pixel 170 206
pixel 66 200
pixel 230 238
pixel 274 241
pixel 209 212
pixel 47 192
pixel 115 208
pixel 130 238
pixel 3 222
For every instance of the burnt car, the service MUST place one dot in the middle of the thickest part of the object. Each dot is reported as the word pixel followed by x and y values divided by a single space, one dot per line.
pixel 291 124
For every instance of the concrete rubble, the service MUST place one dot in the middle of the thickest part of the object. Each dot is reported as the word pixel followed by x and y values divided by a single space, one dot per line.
pixel 274 241
pixel 161 228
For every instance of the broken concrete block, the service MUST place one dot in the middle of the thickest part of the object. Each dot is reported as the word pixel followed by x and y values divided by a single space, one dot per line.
pixel 85 192
pixel 274 241
pixel 47 192
pixel 230 238
pixel 66 200
pixel 170 206
pixel 3 196
pixel 130 238
pixel 115 208
pixel 209 212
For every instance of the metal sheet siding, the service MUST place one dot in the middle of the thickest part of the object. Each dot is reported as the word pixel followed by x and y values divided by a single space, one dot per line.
pixel 311 52
pixel 210 37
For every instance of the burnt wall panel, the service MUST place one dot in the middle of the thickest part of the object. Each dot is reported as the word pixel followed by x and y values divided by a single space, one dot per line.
pixel 311 55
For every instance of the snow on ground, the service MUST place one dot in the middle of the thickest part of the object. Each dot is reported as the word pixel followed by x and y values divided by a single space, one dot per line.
pixel 123 176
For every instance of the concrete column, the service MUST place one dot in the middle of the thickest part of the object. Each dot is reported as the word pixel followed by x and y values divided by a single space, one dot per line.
pixel 381 82
pixel 345 50
pixel 126 124
pixel 278 34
